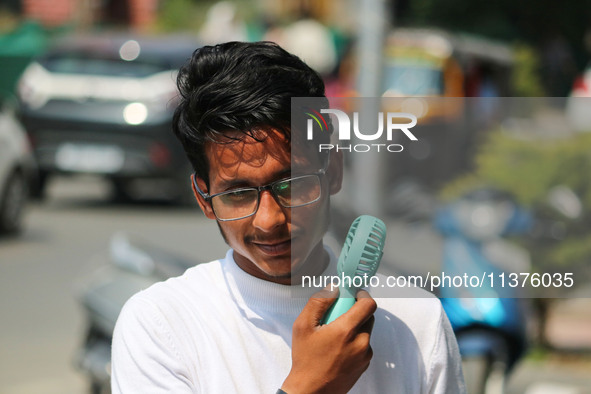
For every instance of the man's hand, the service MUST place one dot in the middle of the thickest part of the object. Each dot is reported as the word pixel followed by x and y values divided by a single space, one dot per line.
pixel 330 358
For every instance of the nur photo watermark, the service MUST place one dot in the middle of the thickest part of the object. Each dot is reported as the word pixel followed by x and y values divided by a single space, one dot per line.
pixel 482 197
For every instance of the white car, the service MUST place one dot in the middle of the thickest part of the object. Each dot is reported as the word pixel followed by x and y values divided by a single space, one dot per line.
pixel 16 169
pixel 102 105
pixel 578 103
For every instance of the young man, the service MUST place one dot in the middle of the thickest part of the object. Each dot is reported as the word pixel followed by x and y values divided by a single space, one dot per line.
pixel 242 324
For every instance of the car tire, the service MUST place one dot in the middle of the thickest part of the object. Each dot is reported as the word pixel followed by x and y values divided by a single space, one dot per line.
pixel 121 191
pixel 99 388
pixel 183 192
pixel 12 203
pixel 185 196
pixel 39 186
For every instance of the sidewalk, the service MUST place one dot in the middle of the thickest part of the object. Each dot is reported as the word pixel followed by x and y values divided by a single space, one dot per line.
pixel 569 322
pixel 553 374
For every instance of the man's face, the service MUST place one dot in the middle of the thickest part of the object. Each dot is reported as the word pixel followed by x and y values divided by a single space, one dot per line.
pixel 264 242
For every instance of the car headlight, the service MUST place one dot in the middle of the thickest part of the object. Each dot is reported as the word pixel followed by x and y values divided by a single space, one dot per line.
pixel 135 113
pixel 34 85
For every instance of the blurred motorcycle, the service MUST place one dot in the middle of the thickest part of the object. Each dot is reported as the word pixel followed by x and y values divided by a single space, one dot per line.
pixel 132 265
pixel 489 320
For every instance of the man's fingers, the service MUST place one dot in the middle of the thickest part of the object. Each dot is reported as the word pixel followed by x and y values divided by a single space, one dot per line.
pixel 327 292
pixel 362 294
pixel 362 310
pixel 364 332
pixel 367 326
pixel 360 313
pixel 317 306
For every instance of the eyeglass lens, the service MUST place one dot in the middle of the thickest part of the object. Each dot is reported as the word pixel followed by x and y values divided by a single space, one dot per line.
pixel 289 193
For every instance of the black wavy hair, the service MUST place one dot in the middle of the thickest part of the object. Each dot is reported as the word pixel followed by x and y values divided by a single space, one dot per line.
pixel 238 86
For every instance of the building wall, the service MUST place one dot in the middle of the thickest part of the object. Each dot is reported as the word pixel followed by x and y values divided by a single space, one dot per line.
pixel 51 13
pixel 143 13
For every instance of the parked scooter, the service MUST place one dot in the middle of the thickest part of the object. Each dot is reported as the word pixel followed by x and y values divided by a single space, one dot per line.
pixel 133 265
pixel 489 320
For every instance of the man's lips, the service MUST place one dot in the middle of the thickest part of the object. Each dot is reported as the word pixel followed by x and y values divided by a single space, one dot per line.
pixel 273 248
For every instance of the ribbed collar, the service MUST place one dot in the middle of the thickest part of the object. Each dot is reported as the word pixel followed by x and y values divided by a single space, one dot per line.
pixel 261 295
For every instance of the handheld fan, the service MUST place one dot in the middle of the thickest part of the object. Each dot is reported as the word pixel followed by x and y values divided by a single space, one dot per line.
pixel 360 257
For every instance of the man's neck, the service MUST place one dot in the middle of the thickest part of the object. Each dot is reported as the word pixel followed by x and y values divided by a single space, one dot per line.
pixel 314 265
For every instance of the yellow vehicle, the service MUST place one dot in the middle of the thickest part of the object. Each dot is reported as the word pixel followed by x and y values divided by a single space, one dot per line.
pixel 433 64
pixel 430 73
pixel 430 64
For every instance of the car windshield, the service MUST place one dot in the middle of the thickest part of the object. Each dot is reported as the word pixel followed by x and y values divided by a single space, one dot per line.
pixel 73 63
pixel 413 80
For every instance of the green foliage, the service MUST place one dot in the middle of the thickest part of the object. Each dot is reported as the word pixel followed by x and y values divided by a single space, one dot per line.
pixel 189 15
pixel 526 80
pixel 571 251
pixel 531 21
pixel 529 168
pixel 538 355
pixel 475 17
pixel 181 15
pixel 420 11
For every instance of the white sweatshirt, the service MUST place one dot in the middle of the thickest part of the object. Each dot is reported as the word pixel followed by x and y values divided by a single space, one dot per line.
pixel 217 329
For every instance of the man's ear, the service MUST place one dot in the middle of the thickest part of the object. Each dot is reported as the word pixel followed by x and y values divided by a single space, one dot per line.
pixel 204 205
pixel 334 172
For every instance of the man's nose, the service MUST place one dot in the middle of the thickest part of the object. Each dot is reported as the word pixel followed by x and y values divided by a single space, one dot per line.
pixel 270 213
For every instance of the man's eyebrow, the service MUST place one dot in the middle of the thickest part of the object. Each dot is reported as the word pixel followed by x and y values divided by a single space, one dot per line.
pixel 246 182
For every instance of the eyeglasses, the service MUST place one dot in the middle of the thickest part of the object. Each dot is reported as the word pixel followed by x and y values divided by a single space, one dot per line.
pixel 244 202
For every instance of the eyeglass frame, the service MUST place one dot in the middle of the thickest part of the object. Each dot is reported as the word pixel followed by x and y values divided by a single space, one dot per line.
pixel 207 197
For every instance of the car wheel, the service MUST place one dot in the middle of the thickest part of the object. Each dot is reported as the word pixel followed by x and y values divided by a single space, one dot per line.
pixel 185 196
pixel 121 190
pixel 483 374
pixel 99 388
pixel 39 186
pixel 183 192
pixel 12 203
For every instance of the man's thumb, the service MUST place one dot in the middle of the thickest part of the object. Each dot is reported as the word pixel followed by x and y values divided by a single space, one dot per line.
pixel 319 304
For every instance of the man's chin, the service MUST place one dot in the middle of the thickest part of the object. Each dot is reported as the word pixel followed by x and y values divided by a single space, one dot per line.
pixel 286 278
pixel 284 271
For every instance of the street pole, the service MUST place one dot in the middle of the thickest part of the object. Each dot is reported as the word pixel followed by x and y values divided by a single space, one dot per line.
pixel 369 168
